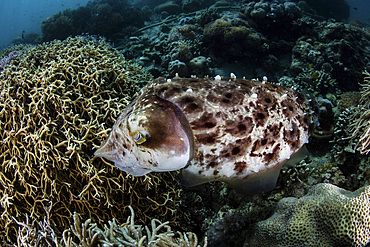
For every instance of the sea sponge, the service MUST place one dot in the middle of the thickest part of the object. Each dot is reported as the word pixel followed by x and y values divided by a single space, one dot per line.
pixel 326 216
pixel 57 100
pixel 199 65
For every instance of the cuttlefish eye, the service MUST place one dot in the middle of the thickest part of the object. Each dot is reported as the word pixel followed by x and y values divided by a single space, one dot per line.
pixel 140 137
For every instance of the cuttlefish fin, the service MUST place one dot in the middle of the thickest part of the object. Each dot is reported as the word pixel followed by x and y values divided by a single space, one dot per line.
pixel 262 181
pixel 189 179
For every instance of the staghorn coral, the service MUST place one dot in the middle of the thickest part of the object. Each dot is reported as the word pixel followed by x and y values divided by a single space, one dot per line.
pixel 56 101
pixel 326 216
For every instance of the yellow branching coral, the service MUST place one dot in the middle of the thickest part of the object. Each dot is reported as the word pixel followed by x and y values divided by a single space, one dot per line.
pixel 57 100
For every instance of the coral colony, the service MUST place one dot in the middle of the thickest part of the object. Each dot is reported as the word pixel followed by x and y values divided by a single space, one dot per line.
pixel 56 105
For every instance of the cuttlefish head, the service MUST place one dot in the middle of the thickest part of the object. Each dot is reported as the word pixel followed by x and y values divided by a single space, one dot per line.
pixel 151 135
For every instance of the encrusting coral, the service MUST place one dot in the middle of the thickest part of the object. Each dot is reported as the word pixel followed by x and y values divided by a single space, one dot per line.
pixel 326 216
pixel 57 102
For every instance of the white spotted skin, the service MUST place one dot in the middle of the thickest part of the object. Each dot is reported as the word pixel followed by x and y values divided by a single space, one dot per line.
pixel 227 129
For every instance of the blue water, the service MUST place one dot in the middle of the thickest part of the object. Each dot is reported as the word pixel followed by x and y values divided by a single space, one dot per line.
pixel 360 10
pixel 26 15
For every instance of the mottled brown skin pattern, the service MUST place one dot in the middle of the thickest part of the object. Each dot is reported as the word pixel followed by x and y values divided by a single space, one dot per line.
pixel 240 127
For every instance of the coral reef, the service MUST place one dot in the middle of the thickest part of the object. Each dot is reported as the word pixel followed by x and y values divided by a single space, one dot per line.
pixel 355 134
pixel 297 43
pixel 326 216
pixel 27 38
pixel 177 67
pixel 316 82
pixel 363 119
pixel 225 230
pixel 193 5
pixel 277 11
pixel 199 65
pixel 170 7
pixel 104 17
pixel 258 35
pixel 231 41
pixel 57 100
pixel 325 129
pixel 6 59
pixel 348 100
pixel 336 48
pixel 113 234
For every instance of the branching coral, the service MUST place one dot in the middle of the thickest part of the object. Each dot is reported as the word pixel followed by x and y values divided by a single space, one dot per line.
pixel 358 129
pixel 86 233
pixel 315 81
pixel 56 101
pixel 158 234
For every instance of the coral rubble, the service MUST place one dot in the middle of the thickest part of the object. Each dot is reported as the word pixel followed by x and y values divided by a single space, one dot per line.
pixel 57 100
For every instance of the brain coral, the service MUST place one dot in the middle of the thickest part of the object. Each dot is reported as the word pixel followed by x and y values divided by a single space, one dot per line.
pixel 57 100
pixel 326 216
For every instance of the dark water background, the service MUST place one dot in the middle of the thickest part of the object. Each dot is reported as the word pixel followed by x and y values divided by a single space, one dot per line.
pixel 27 15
